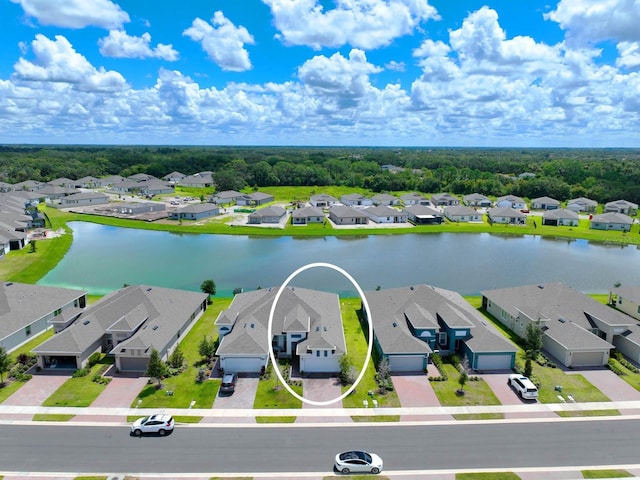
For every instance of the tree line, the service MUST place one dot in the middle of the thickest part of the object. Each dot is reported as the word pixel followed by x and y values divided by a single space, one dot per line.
pixel 600 174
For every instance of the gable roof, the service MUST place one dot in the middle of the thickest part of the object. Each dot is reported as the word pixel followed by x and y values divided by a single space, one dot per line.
pixel 612 217
pixel 560 213
pixel 306 212
pixel 505 212
pixel 344 211
pixel 457 210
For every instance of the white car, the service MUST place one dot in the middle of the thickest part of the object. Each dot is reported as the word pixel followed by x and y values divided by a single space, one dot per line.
pixel 525 387
pixel 358 461
pixel 160 424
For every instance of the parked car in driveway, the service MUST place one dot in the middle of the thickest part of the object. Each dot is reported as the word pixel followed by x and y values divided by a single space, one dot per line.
pixel 358 461
pixel 160 424
pixel 523 386
pixel 228 384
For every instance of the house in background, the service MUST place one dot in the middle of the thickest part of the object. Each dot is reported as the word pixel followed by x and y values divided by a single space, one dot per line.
pixel 506 215
pixel 305 215
pixel 198 180
pixel 273 214
pixel 414 199
pixel 545 203
pixel 621 206
pixel 128 324
pixel 306 327
pixel 195 211
pixel 254 199
pixel 626 299
pixel 385 214
pixel 511 201
pixel 577 330
pixel 477 200
pixel 226 197
pixel 611 221
pixel 410 323
pixel 582 204
pixel 444 200
pixel 173 177
pixel 84 199
pixel 460 213
pixel 356 200
pixel 560 218
pixel 343 215
pixel 323 200
pixel 385 199
pixel 28 310
pixel 423 215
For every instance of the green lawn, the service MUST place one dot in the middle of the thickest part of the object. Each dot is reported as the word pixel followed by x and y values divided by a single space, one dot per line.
pixel 77 392
pixel 356 338
pixel 184 386
pixel 487 476
pixel 476 393
pixel 8 388
pixel 606 474
pixel 33 343
pixel 589 413
pixel 51 417
pixel 271 394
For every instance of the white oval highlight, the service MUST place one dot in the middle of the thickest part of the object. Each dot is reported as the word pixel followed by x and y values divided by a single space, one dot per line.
pixel 270 332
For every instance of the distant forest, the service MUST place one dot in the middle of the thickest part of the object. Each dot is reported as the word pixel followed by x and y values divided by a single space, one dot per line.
pixel 600 174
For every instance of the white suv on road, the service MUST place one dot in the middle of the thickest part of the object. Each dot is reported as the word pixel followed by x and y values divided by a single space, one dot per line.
pixel 525 387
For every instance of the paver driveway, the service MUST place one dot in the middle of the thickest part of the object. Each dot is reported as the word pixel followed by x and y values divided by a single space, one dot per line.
pixel 611 385
pixel 414 390
pixel 507 395
pixel 35 391
pixel 322 389
pixel 121 392
pixel 242 398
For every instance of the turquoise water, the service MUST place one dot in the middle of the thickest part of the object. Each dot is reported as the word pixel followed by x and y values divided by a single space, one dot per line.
pixel 103 258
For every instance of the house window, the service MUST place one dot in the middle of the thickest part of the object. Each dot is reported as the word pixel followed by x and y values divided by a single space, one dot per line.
pixel 326 353
pixel 317 353
pixel 442 338
pixel 27 330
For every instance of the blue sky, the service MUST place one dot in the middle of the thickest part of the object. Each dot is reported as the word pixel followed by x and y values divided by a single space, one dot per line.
pixel 321 72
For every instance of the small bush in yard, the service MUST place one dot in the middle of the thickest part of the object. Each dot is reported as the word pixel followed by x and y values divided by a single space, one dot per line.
pixel 81 372
pixel 97 378
pixel 93 359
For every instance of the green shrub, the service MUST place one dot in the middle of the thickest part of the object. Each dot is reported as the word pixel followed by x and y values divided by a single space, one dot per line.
pixel 614 368
pixel 93 359
pixel 81 372
pixel 99 379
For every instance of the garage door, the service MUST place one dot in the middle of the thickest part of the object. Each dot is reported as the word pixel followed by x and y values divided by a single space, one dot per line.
pixel 134 364
pixel 586 359
pixel 406 363
pixel 493 362
pixel 242 364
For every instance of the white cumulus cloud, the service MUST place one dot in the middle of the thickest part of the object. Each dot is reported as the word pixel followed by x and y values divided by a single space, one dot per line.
pixel 57 61
pixel 365 24
pixel 223 42
pixel 75 13
pixel 629 55
pixel 120 45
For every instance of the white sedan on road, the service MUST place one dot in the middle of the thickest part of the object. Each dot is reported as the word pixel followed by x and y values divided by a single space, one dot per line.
pixel 358 461
pixel 160 424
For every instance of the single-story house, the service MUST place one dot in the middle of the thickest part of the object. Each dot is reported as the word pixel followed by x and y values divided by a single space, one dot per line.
pixel 54 192
pixel 110 180
pixel 385 199
pixel 356 200
pixel 506 215
pixel 305 215
pixel 461 213
pixel 423 215
pixel 323 200
pixel 611 221
pixel 128 324
pixel 545 203
pixel 195 211
pixel 87 182
pixel 414 199
pixel 273 214
pixel 173 177
pixel 577 330
pixel 197 180
pixel 17 240
pixel 227 197
pixel 511 201
pixel 409 323
pixel 28 185
pixel 627 300
pixel 254 199
pixel 142 177
pixel 561 217
pixel 343 215
pixel 444 199
pixel 126 186
pixel 621 206
pixel 27 310
pixel 306 326
pixel 83 199
pixel 154 187
pixel 63 182
pixel 138 208
pixel 582 204
pixel 477 200
pixel 385 214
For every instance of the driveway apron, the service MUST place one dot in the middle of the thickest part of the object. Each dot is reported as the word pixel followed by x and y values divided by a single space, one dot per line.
pixel 322 389
pixel 34 392
pixel 414 390
pixel 507 396
pixel 611 385
pixel 121 392
pixel 242 398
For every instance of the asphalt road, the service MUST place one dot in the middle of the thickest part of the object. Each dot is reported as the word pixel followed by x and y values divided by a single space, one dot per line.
pixel 224 449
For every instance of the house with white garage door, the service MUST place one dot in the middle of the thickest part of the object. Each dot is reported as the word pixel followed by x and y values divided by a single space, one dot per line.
pixel 306 327
pixel 410 323
pixel 576 329
pixel 127 324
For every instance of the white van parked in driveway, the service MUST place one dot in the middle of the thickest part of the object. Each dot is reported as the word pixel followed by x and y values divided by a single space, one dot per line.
pixel 525 387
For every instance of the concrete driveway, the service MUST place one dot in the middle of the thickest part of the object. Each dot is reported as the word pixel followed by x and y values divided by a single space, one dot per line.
pixel 610 384
pixel 121 392
pixel 242 398
pixel 35 391
pixel 508 396
pixel 414 390
pixel 322 389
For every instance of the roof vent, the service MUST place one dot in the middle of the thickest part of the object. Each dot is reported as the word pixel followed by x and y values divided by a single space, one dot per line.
pixel 324 328
pixel 541 287
pixel 155 327
pixel 9 284
pixel 86 322
pixel 253 325
pixel 411 287
pixel 561 320
pixel 317 328
pixel 149 289
pixel 395 324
